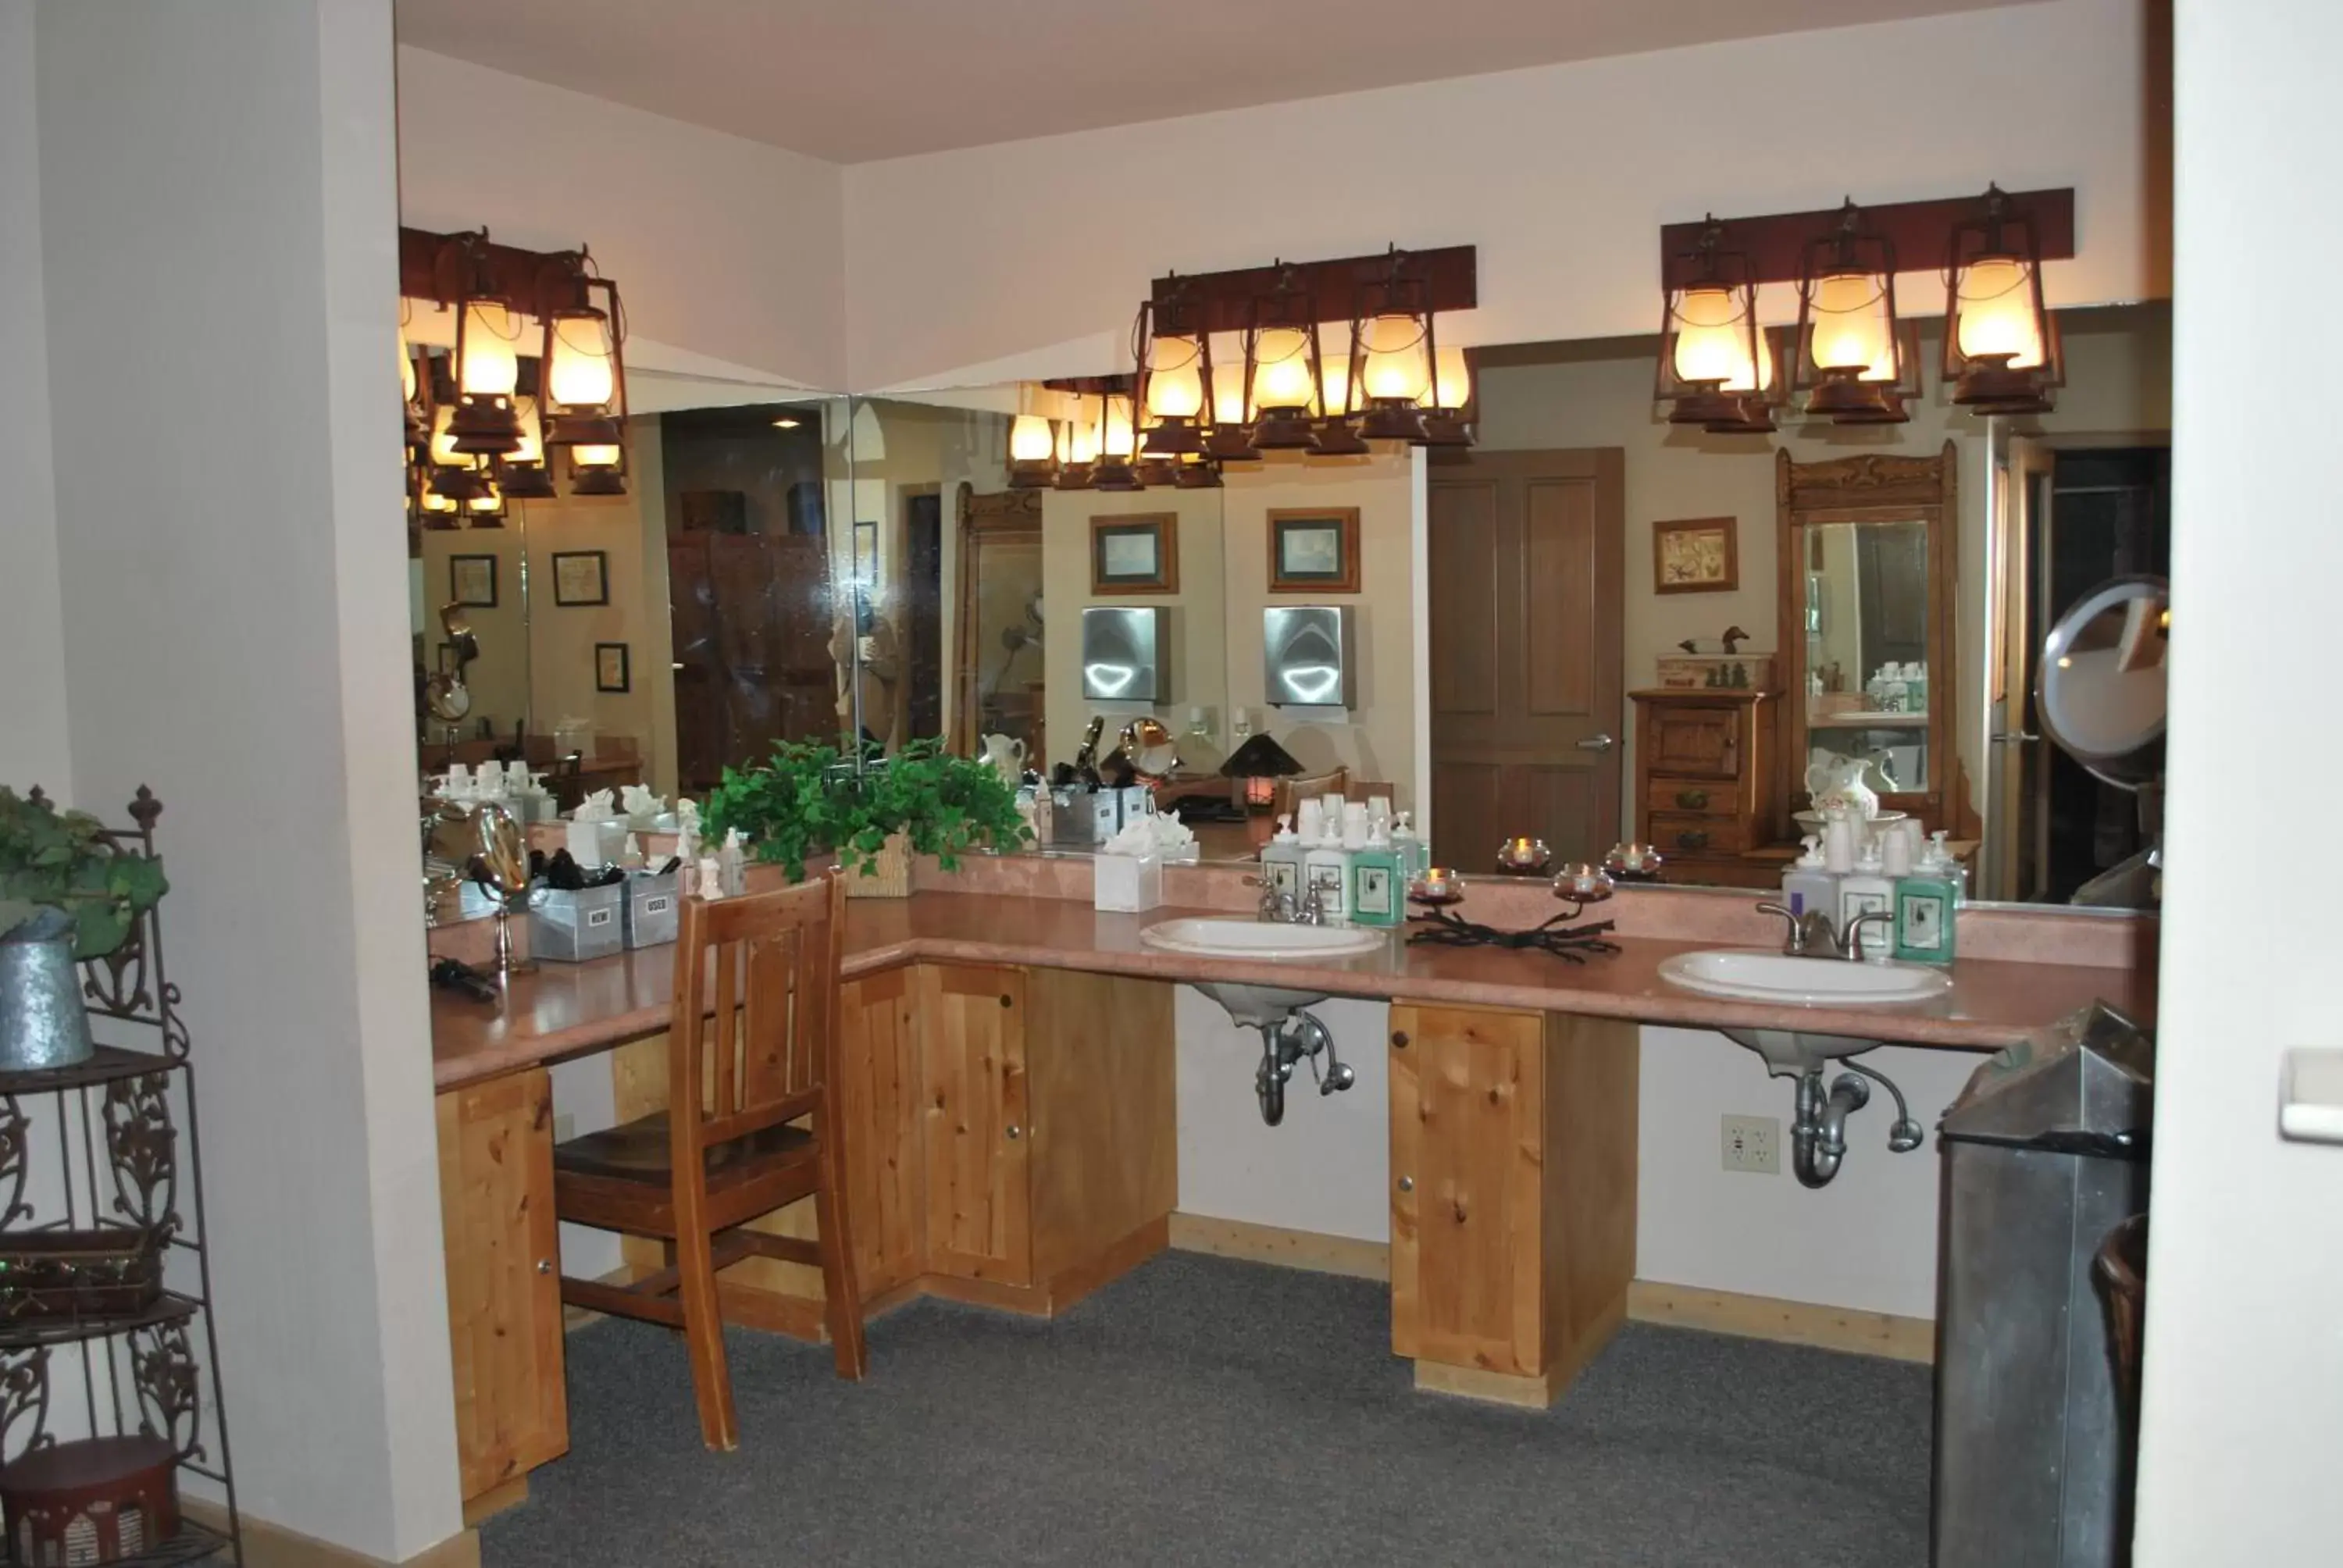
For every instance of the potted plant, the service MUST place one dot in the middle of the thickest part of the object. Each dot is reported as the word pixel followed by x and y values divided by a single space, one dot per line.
pixel 66 894
pixel 810 800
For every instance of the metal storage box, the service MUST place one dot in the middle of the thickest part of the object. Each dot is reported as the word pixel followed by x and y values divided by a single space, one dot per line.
pixel 573 926
pixel 1307 659
pixel 2044 1155
pixel 1126 654
pixel 651 910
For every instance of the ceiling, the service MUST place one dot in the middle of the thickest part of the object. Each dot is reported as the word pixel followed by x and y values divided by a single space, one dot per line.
pixel 854 80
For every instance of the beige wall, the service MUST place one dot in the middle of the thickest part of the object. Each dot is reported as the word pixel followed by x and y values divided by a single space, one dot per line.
pixel 1377 739
pixel 1200 611
pixel 1565 173
pixel 499 678
pixel 1599 394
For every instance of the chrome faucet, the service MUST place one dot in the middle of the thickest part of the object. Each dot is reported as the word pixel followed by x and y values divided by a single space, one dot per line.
pixel 1283 908
pixel 1812 934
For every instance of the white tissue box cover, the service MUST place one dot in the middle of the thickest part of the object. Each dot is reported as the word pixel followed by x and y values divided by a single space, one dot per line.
pixel 1127 884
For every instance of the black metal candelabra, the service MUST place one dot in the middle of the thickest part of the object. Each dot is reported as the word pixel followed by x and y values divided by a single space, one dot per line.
pixel 1438 927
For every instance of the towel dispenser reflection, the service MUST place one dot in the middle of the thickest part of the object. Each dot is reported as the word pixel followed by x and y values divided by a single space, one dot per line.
pixel 1126 654
pixel 1307 656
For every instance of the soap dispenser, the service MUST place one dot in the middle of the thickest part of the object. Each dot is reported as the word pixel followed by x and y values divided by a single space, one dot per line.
pixel 1866 891
pixel 1414 858
pixel 1378 883
pixel 1809 884
pixel 1326 871
pixel 1924 904
pixel 1281 859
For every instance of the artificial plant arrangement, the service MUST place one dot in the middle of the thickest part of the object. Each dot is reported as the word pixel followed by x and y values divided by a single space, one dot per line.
pixel 809 800
pixel 60 875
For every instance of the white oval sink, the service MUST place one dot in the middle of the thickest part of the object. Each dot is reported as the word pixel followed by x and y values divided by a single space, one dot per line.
pixel 1751 974
pixel 1236 939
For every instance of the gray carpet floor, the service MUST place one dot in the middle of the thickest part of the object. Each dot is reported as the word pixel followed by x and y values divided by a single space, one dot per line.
pixel 1203 1412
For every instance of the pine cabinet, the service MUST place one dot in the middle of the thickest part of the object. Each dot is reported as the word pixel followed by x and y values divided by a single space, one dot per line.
pixel 504 1286
pixel 1513 1203
pixel 973 1120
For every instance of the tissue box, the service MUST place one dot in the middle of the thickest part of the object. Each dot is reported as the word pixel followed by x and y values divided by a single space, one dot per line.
pixel 1126 884
pixel 597 842
pixel 652 907
pixel 573 926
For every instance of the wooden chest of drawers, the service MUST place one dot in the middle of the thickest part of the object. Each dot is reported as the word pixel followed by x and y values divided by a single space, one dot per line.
pixel 1704 783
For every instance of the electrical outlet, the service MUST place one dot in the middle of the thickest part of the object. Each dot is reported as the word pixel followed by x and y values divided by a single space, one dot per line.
pixel 564 1127
pixel 1753 1144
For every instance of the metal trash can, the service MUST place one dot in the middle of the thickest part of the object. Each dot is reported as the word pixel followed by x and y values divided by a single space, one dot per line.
pixel 2044 1152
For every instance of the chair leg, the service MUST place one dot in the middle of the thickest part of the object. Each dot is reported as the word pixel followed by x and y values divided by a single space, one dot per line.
pixel 839 1292
pixel 703 1335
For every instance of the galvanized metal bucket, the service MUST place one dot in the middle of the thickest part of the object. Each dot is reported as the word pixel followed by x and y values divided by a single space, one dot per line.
pixel 42 1024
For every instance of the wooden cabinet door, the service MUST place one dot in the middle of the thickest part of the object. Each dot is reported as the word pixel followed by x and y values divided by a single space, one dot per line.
pixel 1702 741
pixel 880 1128
pixel 1467 1170
pixel 503 1285
pixel 972 1113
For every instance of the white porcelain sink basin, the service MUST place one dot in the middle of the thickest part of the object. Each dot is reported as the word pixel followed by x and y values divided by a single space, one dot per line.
pixel 1751 974
pixel 1238 939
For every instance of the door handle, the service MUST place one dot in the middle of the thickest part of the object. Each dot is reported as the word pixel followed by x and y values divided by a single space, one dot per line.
pixel 2014 738
pixel 1597 743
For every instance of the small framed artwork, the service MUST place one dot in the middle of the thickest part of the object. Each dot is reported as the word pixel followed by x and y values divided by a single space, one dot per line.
pixel 1695 554
pixel 1135 554
pixel 581 576
pixel 472 580
pixel 450 662
pixel 1314 551
pixel 612 670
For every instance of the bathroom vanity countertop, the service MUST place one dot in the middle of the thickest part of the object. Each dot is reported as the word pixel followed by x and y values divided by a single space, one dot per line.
pixel 572 1010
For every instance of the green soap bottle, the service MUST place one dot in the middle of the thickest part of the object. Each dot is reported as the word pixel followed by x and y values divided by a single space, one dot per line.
pixel 1926 902
pixel 1378 890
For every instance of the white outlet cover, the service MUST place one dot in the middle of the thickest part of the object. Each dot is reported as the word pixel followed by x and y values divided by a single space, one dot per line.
pixel 1753 1144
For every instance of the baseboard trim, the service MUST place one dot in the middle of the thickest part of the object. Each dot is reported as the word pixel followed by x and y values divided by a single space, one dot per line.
pixel 1308 1249
pixel 1842 1329
pixel 268 1545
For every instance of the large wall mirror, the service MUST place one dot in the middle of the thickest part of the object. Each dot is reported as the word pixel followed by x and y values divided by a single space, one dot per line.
pixel 788 565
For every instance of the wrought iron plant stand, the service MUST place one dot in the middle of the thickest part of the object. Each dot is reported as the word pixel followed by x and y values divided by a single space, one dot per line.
pixel 109 1364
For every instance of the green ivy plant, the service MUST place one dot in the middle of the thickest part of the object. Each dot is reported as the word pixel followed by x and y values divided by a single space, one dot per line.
pixel 58 873
pixel 807 799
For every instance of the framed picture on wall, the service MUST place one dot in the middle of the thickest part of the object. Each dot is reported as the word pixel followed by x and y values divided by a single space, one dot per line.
pixel 1695 554
pixel 581 576
pixel 1314 550
pixel 612 670
pixel 1139 553
pixel 472 580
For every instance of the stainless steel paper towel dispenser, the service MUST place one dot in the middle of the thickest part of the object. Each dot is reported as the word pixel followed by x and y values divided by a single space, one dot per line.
pixel 1306 656
pixel 1126 654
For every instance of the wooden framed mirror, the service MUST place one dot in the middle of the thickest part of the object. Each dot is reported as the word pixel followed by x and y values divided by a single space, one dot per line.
pixel 997 626
pixel 1868 548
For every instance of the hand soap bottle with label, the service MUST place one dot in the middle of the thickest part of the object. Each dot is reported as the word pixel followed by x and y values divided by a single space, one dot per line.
pixel 1925 905
pixel 1326 870
pixel 1281 861
pixel 1866 890
pixel 1378 883
pixel 1808 884
pixel 1408 844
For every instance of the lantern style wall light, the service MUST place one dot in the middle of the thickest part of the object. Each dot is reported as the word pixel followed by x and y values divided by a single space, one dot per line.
pixel 1393 347
pixel 1447 401
pixel 2001 353
pixel 1172 357
pixel 1715 367
pixel 487 359
pixel 1856 364
pixel 1032 453
pixel 521 474
pixel 1283 376
pixel 1078 446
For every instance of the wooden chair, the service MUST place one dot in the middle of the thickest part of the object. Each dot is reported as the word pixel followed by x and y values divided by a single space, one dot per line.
pixel 752 1050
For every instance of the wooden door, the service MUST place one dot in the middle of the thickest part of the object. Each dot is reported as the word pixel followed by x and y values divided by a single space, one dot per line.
pixel 503 1285
pixel 972 1109
pixel 1525 569
pixel 1468 1155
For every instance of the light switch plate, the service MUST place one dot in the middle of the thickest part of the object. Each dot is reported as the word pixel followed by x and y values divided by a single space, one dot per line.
pixel 1753 1144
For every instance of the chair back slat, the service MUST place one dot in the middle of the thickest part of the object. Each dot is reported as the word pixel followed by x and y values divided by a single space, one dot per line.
pixel 756 997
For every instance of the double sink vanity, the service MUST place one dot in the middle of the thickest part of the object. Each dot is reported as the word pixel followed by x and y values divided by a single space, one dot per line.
pixel 1007 1085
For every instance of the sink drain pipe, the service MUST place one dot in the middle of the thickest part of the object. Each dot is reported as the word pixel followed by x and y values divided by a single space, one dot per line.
pixel 1298 1037
pixel 1819 1136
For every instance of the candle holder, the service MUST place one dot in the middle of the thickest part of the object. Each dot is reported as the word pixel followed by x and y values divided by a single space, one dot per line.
pixel 1439 887
pixel 1633 863
pixel 1523 858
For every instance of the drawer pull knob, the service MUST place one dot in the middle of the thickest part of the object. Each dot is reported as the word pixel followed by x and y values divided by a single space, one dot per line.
pixel 1693 838
pixel 1015 1131
pixel 545 1265
pixel 1692 799
pixel 1407 1183
pixel 1399 1040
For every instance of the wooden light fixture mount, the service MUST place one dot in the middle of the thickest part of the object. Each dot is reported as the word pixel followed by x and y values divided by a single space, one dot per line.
pixel 1451 278
pixel 1776 242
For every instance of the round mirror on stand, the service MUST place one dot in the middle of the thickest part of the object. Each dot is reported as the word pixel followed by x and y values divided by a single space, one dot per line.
pixel 2100 696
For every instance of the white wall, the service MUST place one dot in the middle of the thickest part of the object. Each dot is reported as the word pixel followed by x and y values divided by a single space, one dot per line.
pixel 1562 175
pixel 32 739
pixel 235 636
pixel 723 247
pixel 2245 1338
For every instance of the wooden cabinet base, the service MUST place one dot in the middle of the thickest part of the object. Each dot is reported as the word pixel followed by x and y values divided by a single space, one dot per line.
pixel 1069 1286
